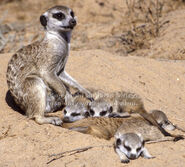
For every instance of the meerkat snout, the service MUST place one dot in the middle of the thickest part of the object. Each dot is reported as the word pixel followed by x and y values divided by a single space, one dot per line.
pixel 58 18
pixel 130 146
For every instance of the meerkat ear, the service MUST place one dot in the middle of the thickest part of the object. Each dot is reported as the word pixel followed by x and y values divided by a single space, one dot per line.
pixel 69 100
pixel 43 20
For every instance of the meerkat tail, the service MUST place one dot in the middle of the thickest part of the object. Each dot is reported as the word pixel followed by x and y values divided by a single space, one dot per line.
pixel 168 138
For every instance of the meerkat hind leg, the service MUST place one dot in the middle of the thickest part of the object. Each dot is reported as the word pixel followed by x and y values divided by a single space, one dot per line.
pixel 36 93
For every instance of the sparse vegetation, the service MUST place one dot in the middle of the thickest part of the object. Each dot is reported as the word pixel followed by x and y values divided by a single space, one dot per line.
pixel 144 22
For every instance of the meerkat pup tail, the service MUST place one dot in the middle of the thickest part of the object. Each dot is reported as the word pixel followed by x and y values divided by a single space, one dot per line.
pixel 130 146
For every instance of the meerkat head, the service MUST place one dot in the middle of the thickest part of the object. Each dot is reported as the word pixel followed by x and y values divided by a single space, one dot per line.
pixel 58 19
pixel 75 112
pixel 99 108
pixel 76 108
pixel 131 145
pixel 162 119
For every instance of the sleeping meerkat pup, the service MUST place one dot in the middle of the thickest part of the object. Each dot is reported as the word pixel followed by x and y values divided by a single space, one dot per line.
pixel 76 108
pixel 130 146
pixel 106 128
pixel 123 104
pixel 163 120
pixel 36 75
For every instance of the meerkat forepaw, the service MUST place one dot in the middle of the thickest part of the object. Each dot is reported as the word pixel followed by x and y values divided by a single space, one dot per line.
pixel 146 154
pixel 56 121
pixel 125 161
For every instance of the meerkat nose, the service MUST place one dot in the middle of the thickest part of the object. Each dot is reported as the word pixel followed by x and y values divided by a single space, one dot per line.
pixel 66 119
pixel 132 156
pixel 72 22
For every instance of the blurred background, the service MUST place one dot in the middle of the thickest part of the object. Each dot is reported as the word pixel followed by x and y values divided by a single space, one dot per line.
pixel 150 28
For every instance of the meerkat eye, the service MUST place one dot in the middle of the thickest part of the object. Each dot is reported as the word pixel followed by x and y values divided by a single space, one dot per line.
pixel 59 16
pixel 166 122
pixel 103 113
pixel 138 149
pixel 72 14
pixel 65 112
pixel 75 114
pixel 91 112
pixel 118 142
pixel 127 147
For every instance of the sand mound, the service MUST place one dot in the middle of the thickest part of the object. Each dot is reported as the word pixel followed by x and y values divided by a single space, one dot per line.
pixel 161 85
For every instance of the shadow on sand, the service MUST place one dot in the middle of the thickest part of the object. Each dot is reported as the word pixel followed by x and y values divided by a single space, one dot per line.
pixel 11 103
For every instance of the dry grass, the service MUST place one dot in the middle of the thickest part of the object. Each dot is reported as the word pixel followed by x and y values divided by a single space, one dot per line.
pixel 144 21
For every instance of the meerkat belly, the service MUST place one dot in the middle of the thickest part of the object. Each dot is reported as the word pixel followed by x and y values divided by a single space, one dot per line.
pixel 53 101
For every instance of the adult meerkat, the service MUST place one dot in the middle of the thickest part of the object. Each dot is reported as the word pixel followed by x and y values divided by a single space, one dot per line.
pixel 130 146
pixel 36 74
pixel 106 128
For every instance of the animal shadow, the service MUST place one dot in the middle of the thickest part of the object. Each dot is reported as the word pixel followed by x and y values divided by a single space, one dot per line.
pixel 11 103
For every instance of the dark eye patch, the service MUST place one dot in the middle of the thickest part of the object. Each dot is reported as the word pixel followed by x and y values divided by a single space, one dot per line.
pixel 103 113
pixel 92 112
pixel 75 114
pixel 138 149
pixel 127 147
pixel 65 112
pixel 59 16
pixel 118 142
pixel 72 14
pixel 166 122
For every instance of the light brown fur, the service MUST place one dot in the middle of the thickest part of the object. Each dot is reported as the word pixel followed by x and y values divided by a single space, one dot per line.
pixel 106 128
pixel 126 102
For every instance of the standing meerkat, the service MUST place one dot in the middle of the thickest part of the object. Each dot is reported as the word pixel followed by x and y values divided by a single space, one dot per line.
pixel 36 74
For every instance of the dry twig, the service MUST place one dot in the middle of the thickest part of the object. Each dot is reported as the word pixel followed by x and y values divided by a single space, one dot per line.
pixel 72 152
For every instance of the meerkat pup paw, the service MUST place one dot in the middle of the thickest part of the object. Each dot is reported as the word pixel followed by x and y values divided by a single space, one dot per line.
pixel 146 154
pixel 49 120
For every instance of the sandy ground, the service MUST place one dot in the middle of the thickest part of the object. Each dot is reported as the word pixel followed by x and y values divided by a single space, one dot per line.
pixel 159 82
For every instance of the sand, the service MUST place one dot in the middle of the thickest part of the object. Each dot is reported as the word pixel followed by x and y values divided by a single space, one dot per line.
pixel 160 83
